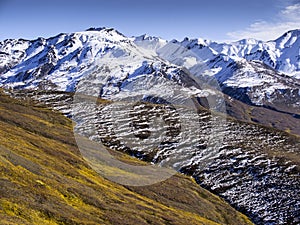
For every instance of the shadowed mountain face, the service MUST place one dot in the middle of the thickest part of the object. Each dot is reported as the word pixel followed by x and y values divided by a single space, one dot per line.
pixel 45 180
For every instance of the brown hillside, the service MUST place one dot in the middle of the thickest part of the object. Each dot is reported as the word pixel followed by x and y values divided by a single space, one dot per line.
pixel 44 180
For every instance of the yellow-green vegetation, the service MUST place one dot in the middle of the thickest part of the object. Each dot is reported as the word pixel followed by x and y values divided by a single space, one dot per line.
pixel 44 180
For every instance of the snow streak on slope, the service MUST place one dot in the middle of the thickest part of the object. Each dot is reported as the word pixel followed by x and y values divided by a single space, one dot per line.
pixel 256 169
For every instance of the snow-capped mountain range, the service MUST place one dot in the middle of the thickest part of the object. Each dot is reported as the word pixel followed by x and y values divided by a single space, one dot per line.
pixel 255 72
pixel 103 62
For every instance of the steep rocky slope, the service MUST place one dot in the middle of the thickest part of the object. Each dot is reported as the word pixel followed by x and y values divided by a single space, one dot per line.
pixel 45 180
pixel 255 168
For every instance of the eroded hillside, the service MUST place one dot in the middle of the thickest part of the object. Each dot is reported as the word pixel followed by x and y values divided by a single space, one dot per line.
pixel 44 180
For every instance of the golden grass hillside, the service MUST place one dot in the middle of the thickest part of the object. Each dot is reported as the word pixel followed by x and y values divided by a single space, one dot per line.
pixel 44 180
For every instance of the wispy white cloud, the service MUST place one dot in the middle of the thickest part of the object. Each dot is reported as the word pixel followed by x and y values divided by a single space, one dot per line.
pixel 287 19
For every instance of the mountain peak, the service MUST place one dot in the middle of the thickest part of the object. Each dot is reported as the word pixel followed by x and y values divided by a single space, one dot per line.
pixel 146 37
pixel 248 41
pixel 105 30
pixel 288 39
pixel 95 28
pixel 295 32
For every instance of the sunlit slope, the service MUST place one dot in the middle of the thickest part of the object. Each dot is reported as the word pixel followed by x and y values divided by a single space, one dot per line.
pixel 44 180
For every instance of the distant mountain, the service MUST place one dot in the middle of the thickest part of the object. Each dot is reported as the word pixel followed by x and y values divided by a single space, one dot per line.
pixel 260 74
pixel 24 63
pixel 282 54
pixel 255 72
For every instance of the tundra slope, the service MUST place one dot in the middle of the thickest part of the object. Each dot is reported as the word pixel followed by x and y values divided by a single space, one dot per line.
pixel 255 168
pixel 45 180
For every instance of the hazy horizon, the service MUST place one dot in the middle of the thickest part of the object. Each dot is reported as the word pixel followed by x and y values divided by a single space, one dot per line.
pixel 214 20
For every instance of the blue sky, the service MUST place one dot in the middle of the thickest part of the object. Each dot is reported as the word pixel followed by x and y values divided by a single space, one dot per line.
pixel 213 19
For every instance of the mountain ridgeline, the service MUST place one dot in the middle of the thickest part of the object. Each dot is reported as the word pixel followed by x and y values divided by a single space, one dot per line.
pixel 263 75
pixel 229 112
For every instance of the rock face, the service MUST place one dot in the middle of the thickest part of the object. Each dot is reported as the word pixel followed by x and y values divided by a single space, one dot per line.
pixel 148 81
